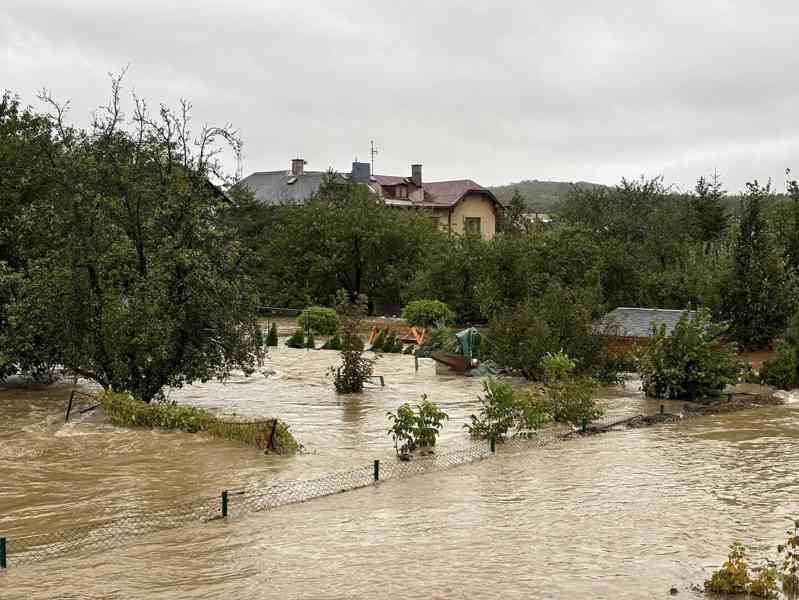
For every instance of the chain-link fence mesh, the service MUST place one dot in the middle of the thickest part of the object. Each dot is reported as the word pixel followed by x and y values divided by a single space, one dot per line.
pixel 269 495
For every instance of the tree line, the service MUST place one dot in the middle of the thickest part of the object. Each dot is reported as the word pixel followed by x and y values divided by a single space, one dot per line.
pixel 128 255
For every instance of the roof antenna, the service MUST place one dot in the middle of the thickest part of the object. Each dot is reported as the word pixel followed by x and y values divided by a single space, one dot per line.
pixel 373 152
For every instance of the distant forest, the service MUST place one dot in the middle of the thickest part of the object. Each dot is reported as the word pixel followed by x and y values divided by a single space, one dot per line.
pixel 540 196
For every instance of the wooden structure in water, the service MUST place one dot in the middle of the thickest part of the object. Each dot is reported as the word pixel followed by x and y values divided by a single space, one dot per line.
pixel 407 335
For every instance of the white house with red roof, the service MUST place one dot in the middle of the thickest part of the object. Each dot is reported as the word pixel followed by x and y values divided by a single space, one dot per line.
pixel 460 206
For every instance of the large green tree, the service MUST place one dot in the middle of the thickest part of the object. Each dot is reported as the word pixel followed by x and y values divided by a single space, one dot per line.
pixel 757 300
pixel 137 281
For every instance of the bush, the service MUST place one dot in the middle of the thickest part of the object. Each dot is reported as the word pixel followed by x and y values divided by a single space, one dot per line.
pixel 380 340
pixel 426 313
pixel 333 343
pixel 503 408
pixel 320 320
pixel 125 411
pixel 518 338
pixel 297 339
pixel 271 337
pixel 783 370
pixel 690 363
pixel 310 342
pixel 733 576
pixel 439 338
pixel 570 397
pixel 416 429
pixel 355 370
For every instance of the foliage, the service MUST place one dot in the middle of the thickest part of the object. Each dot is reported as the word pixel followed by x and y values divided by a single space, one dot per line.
pixel 782 371
pixel 417 428
pixel 124 410
pixel 733 576
pixel 710 215
pixel 379 341
pixel 562 319
pixel 310 342
pixel 297 339
pixel 440 337
pixel 355 370
pixel 319 319
pixel 426 313
pixel 130 273
pixel 764 585
pixel 503 408
pixel 271 337
pixel 512 218
pixel 689 363
pixel 757 300
pixel 570 397
pixel 789 552
pixel 334 343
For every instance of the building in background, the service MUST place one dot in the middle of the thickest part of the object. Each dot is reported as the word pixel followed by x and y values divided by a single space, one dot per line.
pixel 460 206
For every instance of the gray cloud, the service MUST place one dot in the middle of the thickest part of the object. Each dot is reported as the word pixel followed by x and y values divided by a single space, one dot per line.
pixel 495 91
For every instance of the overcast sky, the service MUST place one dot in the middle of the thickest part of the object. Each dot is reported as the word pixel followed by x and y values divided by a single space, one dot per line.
pixel 492 91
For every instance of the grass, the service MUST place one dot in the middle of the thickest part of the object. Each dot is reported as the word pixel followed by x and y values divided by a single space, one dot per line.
pixel 125 411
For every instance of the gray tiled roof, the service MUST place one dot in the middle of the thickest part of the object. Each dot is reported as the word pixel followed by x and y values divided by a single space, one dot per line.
pixel 273 187
pixel 636 322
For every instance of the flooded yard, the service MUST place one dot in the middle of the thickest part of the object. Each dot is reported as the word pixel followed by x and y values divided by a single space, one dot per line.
pixel 621 515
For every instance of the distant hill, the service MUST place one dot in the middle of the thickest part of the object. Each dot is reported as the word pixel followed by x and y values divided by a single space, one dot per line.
pixel 540 196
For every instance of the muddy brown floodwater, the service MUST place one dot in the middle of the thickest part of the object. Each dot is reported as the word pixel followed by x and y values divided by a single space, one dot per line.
pixel 621 515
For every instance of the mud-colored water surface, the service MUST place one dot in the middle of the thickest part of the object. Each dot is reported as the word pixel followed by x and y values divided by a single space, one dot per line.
pixel 621 515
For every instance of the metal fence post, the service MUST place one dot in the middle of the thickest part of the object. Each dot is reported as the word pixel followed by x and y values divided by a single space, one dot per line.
pixel 661 409
pixel 585 425
pixel 415 363
pixel 493 444
pixel 377 470
pixel 224 503
pixel 3 560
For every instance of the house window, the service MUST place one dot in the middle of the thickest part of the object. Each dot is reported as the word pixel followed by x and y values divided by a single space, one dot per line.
pixel 471 225
pixel 402 191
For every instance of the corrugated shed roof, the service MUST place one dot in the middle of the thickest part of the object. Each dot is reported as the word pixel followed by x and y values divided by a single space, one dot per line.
pixel 637 322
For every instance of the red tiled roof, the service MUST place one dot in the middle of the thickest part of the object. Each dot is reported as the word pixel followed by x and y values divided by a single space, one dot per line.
pixel 440 193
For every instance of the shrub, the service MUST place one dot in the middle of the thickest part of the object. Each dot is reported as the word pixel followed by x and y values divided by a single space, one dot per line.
pixel 380 340
pixel 310 342
pixel 733 576
pixel 271 337
pixel 438 338
pixel 783 370
pixel 355 370
pixel 690 363
pixel 124 410
pixel 789 551
pixel 570 396
pixel 426 313
pixel 418 428
pixel 562 319
pixel 333 343
pixel 503 408
pixel 297 339
pixel 389 343
pixel 408 349
pixel 320 320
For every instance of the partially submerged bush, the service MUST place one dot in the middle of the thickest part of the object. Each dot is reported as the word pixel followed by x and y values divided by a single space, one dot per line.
pixel 570 396
pixel 440 337
pixel 271 337
pixel 417 428
pixel 782 371
pixel 426 313
pixel 319 319
pixel 333 343
pixel 689 363
pixel 379 341
pixel 124 410
pixel 733 576
pixel 504 408
pixel 297 339
pixel 355 370
pixel 310 342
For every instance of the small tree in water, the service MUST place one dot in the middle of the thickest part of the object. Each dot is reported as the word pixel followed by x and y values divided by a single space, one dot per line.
pixel 355 369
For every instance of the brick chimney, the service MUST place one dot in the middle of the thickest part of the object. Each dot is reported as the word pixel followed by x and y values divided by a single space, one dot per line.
pixel 297 166
pixel 416 175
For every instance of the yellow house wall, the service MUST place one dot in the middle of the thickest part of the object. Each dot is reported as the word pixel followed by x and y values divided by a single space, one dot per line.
pixel 474 205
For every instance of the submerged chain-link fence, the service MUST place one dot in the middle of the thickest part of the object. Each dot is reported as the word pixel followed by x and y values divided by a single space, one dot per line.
pixel 258 497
